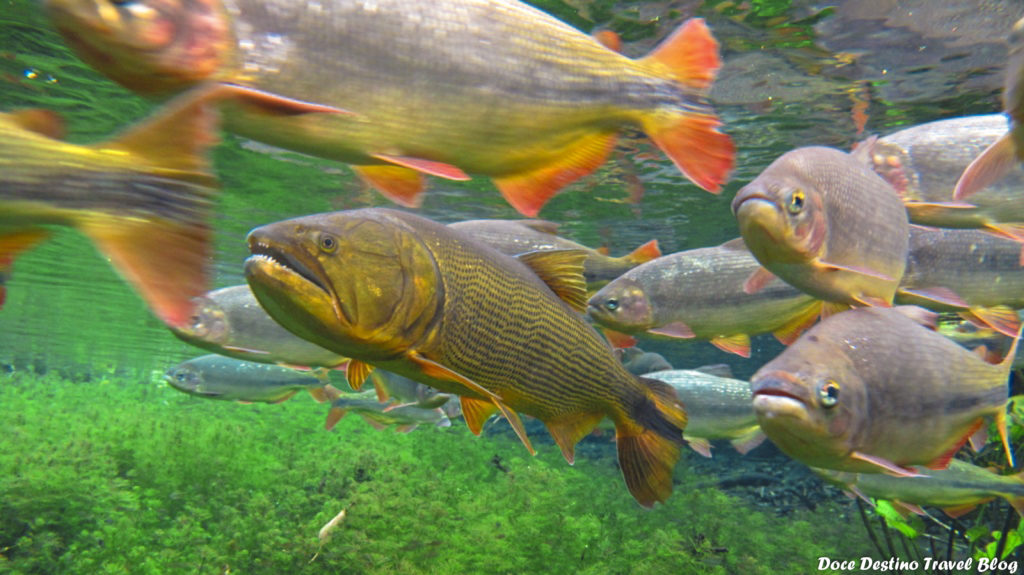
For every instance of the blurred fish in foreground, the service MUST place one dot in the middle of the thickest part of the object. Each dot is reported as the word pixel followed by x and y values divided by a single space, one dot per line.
pixel 218 377
pixel 999 158
pixel 957 489
pixel 230 321
pixel 873 390
pixel 514 237
pixel 404 417
pixel 699 294
pixel 821 220
pixel 492 87
pixel 411 296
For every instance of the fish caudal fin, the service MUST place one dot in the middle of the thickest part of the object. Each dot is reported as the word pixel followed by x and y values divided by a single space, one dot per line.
pixel 649 440
pixel 691 138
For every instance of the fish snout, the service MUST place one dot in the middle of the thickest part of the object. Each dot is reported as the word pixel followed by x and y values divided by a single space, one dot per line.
pixel 781 384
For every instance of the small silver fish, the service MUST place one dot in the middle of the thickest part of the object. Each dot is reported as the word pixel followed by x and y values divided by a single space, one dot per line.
pixel 218 377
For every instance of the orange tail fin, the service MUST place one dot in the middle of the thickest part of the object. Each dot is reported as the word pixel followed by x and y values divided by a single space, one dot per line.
pixel 649 441
pixel 691 138
pixel 644 253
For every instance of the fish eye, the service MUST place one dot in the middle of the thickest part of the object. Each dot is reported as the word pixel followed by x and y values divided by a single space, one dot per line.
pixel 829 393
pixel 180 376
pixel 796 202
pixel 328 243
pixel 612 304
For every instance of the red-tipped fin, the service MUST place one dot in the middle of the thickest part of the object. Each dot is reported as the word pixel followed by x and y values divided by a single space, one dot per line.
pixel 1000 318
pixel 757 280
pixel 400 185
pixel 356 373
pixel 675 329
pixel 266 102
pixel 527 192
pixel 567 432
pixel 737 343
pixel 989 167
pixel 644 253
pixel 693 143
pixel 439 169
pixel 689 55
pixel 885 465
pixel 562 271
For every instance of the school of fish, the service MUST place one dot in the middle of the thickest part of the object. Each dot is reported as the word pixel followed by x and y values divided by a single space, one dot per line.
pixel 492 317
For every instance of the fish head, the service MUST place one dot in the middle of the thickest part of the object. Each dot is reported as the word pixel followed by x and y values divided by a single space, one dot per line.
pixel 781 217
pixel 207 326
pixel 187 378
pixel 360 283
pixel 622 305
pixel 812 413
pixel 153 47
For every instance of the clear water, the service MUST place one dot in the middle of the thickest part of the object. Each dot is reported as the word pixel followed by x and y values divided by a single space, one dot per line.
pixel 795 73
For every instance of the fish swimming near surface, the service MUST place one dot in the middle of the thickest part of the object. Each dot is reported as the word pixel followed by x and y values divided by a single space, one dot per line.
pixel 1001 157
pixel 821 220
pixel 218 377
pixel 967 271
pixel 872 390
pixel 403 417
pixel 411 296
pixel 957 489
pixel 514 237
pixel 700 294
pixel 922 164
pixel 230 321
pixel 143 198
pixel 446 88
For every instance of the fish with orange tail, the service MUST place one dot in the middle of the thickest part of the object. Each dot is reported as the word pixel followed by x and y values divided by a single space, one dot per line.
pixel 445 88
pixel 403 293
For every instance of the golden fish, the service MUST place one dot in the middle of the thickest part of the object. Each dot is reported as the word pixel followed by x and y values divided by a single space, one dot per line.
pixel 411 296
pixel 821 220
pixel 872 390
pixel 443 88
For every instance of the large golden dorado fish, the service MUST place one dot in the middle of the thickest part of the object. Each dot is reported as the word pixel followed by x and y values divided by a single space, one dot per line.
pixel 413 297
pixel 446 87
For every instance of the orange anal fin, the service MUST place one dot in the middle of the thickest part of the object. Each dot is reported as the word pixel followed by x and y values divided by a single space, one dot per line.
pixel 645 253
pixel 567 432
pixel 357 372
pixel 798 324
pixel 400 185
pixel 284 397
pixel 699 444
pixel 693 143
pixel 319 394
pixel 437 371
pixel 617 339
pixel 334 415
pixel 757 280
pixel 528 192
pixel 406 428
pixel 989 167
pixel 12 245
pixel 737 343
pixel 1000 318
pixel 429 167
pixel 942 461
pixel 676 329
pixel 164 260
pixel 476 412
pixel 885 465
pixel 689 55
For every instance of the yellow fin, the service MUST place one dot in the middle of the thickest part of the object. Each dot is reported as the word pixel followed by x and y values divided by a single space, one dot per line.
pixel 476 412
pixel 528 192
pixel 403 186
pixel 737 343
pixel 568 431
pixel 801 322
pixel 437 371
pixel 649 442
pixel 356 373
pixel 562 271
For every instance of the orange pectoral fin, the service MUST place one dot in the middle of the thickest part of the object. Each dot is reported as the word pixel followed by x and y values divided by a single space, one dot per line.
pixel 357 373
pixel 569 431
pixel 527 192
pixel 400 185
pixel 699 444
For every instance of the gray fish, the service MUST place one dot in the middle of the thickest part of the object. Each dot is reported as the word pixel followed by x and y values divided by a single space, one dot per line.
pixel 406 417
pixel 218 377
pixel 639 362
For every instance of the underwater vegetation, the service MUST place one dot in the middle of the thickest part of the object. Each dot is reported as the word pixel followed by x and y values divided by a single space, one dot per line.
pixel 120 476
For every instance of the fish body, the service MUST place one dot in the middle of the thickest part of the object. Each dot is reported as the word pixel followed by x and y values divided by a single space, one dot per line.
pixel 821 220
pixel 717 407
pixel 870 390
pixel 492 87
pixel 700 294
pixel 958 488
pixel 639 362
pixel 404 391
pixel 404 417
pixel 923 162
pixel 230 321
pixel 514 237
pixel 218 377
pixel 411 296
pixel 968 271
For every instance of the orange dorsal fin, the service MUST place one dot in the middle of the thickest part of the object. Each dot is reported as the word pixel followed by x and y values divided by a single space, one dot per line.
pixel 429 167
pixel 476 412
pixel 567 432
pixel 644 253
pixel 400 185
pixel 798 324
pixel 357 372
pixel 43 122
pixel 527 192
pixel 562 271
pixel 689 55
pixel 988 168
pixel 738 343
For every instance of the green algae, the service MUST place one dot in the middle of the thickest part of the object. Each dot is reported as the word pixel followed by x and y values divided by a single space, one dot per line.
pixel 122 476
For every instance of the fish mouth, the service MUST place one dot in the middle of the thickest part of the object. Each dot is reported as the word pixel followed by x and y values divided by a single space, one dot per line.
pixel 266 253
pixel 779 393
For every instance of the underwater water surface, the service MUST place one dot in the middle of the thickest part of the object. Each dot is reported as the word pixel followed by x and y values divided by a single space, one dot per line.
pixel 105 469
